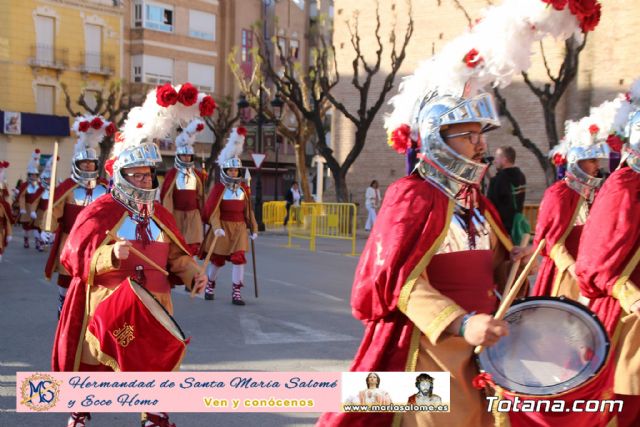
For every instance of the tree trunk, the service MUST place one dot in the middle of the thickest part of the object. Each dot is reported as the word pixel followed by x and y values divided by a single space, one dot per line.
pixel 105 150
pixel 301 166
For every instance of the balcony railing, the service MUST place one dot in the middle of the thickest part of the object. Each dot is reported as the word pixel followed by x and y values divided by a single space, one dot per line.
pixel 47 56
pixel 98 63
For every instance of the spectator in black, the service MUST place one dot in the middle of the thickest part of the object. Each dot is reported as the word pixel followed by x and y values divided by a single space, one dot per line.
pixel 507 189
pixel 293 198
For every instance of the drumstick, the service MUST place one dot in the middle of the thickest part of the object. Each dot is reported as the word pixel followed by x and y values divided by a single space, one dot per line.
pixel 508 299
pixel 203 267
pixel 139 254
pixel 515 266
pixel 628 317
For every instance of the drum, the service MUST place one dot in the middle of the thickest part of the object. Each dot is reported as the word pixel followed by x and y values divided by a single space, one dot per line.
pixel 555 345
pixel 131 331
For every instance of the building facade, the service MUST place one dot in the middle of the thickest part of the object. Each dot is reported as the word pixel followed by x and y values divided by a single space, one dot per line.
pixel 43 46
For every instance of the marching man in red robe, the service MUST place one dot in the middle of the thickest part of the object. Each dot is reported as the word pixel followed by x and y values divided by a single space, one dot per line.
pixel 75 193
pixel 608 259
pixel 6 216
pixel 228 212
pixel 99 262
pixel 182 191
pixel 565 206
pixel 29 195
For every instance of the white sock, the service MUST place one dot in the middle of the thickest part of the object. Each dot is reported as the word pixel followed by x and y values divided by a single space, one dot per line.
pixel 212 271
pixel 237 274
pixel 62 291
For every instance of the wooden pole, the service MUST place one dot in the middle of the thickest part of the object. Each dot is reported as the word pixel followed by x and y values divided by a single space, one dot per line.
pixel 52 190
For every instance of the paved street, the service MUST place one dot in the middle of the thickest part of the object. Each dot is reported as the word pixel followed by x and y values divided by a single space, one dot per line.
pixel 301 322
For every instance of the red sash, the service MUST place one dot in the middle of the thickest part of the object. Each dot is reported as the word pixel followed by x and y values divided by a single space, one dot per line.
pixel 232 210
pixel 466 277
pixel 185 200
pixel 155 281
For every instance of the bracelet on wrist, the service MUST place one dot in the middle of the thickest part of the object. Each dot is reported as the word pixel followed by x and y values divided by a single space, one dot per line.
pixel 465 319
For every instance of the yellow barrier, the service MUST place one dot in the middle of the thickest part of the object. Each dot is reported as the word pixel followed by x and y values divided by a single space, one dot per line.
pixel 273 213
pixel 531 212
pixel 324 220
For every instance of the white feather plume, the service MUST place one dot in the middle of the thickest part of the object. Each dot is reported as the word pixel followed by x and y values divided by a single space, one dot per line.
pixel 189 133
pixel 503 39
pixel 233 147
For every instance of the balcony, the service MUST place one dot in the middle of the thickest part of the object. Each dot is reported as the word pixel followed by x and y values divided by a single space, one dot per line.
pixel 98 63
pixel 46 56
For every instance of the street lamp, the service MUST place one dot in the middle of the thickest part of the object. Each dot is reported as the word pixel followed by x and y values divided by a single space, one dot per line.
pixel 277 105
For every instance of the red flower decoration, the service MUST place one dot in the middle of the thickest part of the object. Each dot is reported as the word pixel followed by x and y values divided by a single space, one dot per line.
pixel 242 131
pixel 588 13
pixel 84 126
pixel 96 123
pixel 188 94
pixel 110 129
pixel 557 4
pixel 593 129
pixel 559 160
pixel 199 127
pixel 482 380
pixel 400 139
pixel 166 95
pixel 615 142
pixel 627 96
pixel 139 125
pixel 37 151
pixel 472 58
pixel 108 166
pixel 207 106
pixel 119 137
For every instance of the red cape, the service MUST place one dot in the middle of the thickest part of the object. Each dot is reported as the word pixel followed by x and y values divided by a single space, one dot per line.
pixel 412 217
pixel 170 178
pixel 23 188
pixel 60 193
pixel 609 240
pixel 87 234
pixel 8 222
pixel 558 205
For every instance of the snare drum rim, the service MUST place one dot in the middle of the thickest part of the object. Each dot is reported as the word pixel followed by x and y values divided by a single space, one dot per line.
pixel 608 353
pixel 132 281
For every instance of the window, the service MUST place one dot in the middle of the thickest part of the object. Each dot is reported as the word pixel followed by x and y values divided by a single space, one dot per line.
pixel 93 47
pixel 158 17
pixel 91 98
pixel 282 48
pixel 45 36
pixel 137 14
pixel 45 99
pixel 151 69
pixel 246 62
pixel 294 48
pixel 202 76
pixel 202 25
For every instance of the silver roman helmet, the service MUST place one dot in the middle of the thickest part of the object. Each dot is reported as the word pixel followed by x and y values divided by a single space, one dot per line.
pixel 229 157
pixel 184 144
pixel 91 130
pixel 632 148
pixel 439 161
pixel 33 167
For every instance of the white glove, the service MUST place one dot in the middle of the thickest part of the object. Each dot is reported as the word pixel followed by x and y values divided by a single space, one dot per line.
pixel 47 237
pixel 219 232
pixel 254 236
pixel 9 238
pixel 22 212
pixel 33 215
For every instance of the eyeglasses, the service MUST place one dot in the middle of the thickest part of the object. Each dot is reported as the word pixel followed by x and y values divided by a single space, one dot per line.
pixel 473 137
pixel 140 176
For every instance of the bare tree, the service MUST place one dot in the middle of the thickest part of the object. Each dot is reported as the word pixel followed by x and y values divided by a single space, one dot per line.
pixel 298 134
pixel 549 95
pixel 308 90
pixel 112 102
pixel 220 124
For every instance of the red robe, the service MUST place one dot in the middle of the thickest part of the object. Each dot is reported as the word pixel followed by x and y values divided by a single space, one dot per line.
pixel 87 234
pixel 610 240
pixel 170 178
pixel 61 192
pixel 555 219
pixel 412 217
pixel 29 224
